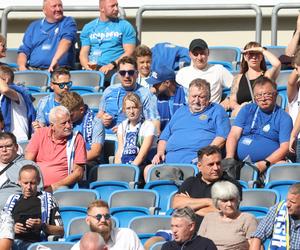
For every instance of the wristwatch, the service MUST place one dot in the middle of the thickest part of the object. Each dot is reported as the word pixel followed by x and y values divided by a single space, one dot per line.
pixel 268 163
pixel 114 63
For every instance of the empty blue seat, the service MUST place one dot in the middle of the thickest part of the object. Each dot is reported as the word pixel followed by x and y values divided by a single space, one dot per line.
pixel 33 80
pixel 281 187
pixel 53 245
pixel 85 81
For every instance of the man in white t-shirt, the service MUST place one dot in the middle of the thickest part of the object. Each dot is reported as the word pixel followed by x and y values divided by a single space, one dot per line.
pixel 98 219
pixel 6 231
pixel 16 105
pixel 216 75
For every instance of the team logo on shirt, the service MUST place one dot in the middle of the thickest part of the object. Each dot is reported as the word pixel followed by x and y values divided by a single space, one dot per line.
pixel 203 117
pixel 266 128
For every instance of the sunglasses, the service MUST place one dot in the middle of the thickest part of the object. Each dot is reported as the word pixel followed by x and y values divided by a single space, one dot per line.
pixel 62 85
pixel 129 72
pixel 98 217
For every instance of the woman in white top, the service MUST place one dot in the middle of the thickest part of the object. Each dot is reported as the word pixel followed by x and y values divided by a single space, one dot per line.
pixel 135 135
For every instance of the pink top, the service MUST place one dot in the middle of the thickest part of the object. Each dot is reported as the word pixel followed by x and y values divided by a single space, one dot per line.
pixel 51 155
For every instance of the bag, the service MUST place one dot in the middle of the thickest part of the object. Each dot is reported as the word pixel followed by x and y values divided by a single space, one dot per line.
pixel 232 167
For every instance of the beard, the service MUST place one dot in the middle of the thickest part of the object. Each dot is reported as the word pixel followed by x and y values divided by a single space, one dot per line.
pixel 104 229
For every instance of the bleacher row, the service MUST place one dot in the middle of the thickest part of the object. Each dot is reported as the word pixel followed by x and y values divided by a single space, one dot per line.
pixel 148 210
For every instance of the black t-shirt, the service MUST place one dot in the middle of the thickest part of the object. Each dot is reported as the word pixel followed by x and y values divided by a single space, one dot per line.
pixel 197 243
pixel 23 210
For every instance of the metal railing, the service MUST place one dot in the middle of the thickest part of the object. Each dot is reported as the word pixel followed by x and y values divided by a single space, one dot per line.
pixel 274 20
pixel 9 9
pixel 256 8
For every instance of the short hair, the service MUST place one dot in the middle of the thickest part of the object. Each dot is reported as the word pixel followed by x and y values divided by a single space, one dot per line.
pixel 130 96
pixel 97 203
pixel 72 101
pixel 59 71
pixel 295 188
pixel 185 212
pixel 6 70
pixel 224 190
pixel 200 84
pixel 57 110
pixel 92 240
pixel 261 81
pixel 2 40
pixel 208 150
pixel 31 167
pixel 142 50
pixel 129 60
pixel 8 135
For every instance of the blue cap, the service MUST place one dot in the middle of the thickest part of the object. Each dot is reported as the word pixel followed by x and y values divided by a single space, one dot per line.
pixel 160 75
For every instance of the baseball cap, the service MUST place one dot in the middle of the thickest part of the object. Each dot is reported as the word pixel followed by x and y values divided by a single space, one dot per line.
pixel 160 75
pixel 198 43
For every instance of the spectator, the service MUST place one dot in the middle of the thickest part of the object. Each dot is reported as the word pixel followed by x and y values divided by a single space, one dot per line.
pixel 228 228
pixel 253 67
pixel 281 224
pixel 59 152
pixel 170 95
pixel 136 136
pixel 99 220
pixel 110 110
pixel 194 126
pixel 107 39
pixel 10 164
pixel 217 76
pixel 84 122
pixel 196 191
pixel 36 214
pixel 16 105
pixel 293 44
pixel 2 48
pixel 92 241
pixel 49 42
pixel 143 57
pixel 6 231
pixel 183 225
pixel 258 124
pixel 60 84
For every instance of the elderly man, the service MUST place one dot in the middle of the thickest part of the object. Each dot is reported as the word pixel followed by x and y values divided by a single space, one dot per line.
pixel 49 42
pixel 261 130
pixel 10 164
pixel 281 224
pixel 110 109
pixel 60 84
pixel 170 95
pixel 197 125
pixel 106 39
pixel 216 75
pixel 195 191
pixel 92 241
pixel 99 221
pixel 59 152
pixel 183 225
pixel 36 214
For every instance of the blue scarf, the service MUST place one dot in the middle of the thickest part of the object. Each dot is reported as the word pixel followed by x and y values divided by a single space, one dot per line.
pixel 88 127
pixel 6 108
pixel 280 238
pixel 164 108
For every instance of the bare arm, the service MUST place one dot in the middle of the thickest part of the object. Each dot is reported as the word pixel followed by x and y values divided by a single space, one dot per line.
pixel 5 244
pixel 255 244
pixel 120 148
pixel 94 152
pixel 294 134
pixel 232 140
pixel 84 57
pixel 22 61
pixel 218 141
pixel 144 150
pixel 54 230
pixel 62 48
pixel 292 86
pixel 293 43
pixel 233 93
pixel 7 91
pixel 30 156
pixel 276 65
pixel 160 155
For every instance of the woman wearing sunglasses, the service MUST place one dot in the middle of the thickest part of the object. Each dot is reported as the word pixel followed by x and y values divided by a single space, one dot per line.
pixel 135 135
pixel 253 66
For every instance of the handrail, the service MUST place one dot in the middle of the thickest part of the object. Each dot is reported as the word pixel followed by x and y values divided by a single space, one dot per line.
pixel 9 9
pixel 254 7
pixel 274 20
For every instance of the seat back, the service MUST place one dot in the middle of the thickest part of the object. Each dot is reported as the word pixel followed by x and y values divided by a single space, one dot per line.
pixel 115 79
pixel 34 80
pixel 282 78
pixel 53 245
pixel 290 171
pixel 150 224
pixel 37 97
pixel 281 187
pixel 89 79
pixel 276 50
pixel 92 100
pixel 75 197
pixel 225 54
pixel 259 197
pixel 248 173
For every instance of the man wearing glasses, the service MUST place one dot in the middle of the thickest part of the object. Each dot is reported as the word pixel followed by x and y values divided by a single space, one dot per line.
pixel 110 109
pixel 99 220
pixel 60 84
pixel 261 130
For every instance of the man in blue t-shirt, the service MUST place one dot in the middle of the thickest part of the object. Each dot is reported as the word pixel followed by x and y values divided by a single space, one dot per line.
pixel 192 127
pixel 105 40
pixel 261 130
pixel 170 95
pixel 49 42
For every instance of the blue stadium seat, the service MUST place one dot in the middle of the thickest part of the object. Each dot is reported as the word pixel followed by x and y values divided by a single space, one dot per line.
pixel 255 210
pixel 275 50
pixel 226 65
pixel 92 100
pixel 11 57
pixel 281 187
pixel 229 54
pixel 114 79
pixel 37 97
pixel 157 245
pixel 87 81
pixel 53 245
pixel 286 171
pixel 33 80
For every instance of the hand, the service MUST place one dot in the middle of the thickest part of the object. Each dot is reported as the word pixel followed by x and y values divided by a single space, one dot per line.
pixel 49 189
pixel 35 224
pixel 53 65
pixel 106 68
pixel 36 124
pixel 106 119
pixel 19 228
pixel 254 49
pixel 292 144
pixel 158 158
pixel 114 129
pixel 261 165
pixel 22 68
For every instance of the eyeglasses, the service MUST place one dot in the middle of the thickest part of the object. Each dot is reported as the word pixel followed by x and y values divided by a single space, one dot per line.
pixel 267 95
pixel 98 217
pixel 129 72
pixel 62 85
pixel 7 147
